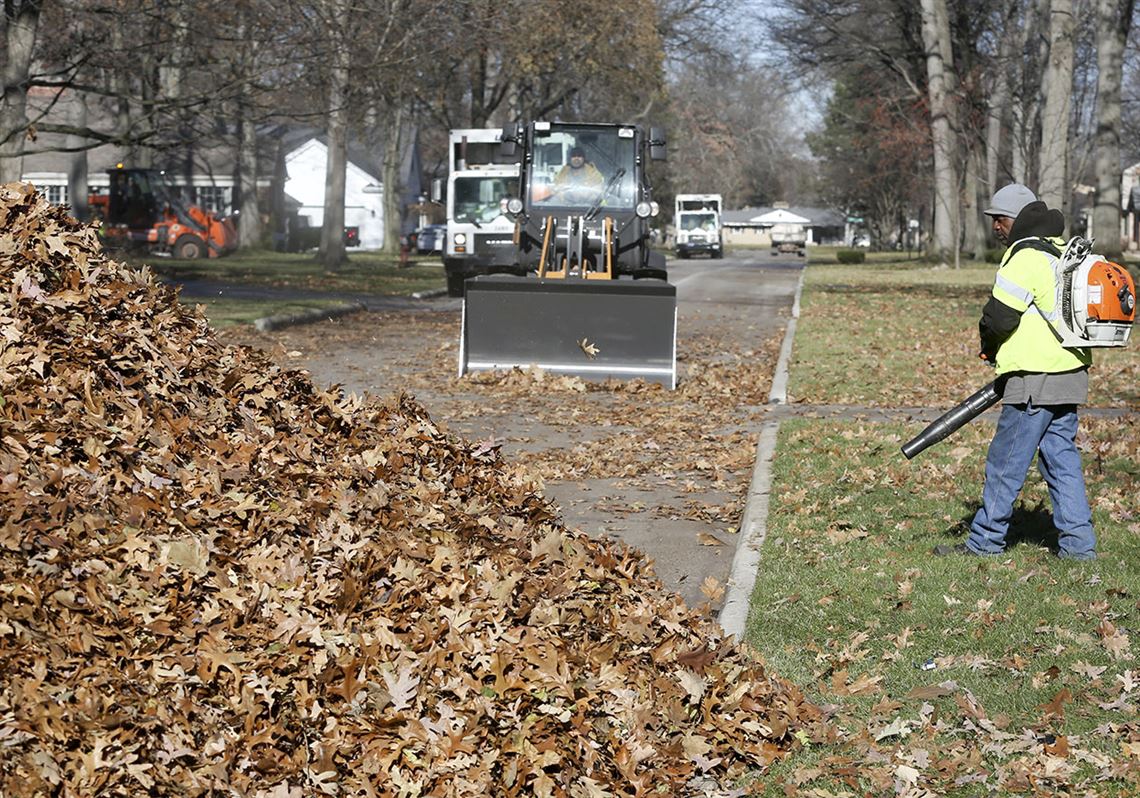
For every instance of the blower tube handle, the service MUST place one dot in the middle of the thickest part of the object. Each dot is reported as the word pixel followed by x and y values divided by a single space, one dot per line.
pixel 953 419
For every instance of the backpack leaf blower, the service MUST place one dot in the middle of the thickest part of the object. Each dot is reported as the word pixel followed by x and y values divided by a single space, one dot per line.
pixel 1096 298
pixel 1096 307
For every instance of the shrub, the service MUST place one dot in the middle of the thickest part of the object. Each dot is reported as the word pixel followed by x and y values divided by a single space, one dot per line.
pixel 994 255
pixel 851 256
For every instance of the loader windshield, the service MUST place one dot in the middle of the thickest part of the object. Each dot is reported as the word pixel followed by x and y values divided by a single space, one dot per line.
pixel 576 166
pixel 482 198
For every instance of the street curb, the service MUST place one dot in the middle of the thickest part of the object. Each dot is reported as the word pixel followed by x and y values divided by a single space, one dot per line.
pixel 432 294
pixel 754 521
pixel 267 323
pixel 753 530
pixel 778 394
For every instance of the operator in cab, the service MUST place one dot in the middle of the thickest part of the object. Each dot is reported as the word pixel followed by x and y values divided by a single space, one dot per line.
pixel 579 180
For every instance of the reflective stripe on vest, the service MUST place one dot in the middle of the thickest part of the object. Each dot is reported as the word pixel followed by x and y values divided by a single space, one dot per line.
pixel 1025 282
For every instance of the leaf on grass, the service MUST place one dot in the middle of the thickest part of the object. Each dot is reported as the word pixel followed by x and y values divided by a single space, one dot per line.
pixel 933 691
pixel 1089 671
pixel 898 727
pixel 1055 707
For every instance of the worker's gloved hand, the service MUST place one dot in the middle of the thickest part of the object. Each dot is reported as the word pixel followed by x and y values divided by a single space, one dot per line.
pixel 990 358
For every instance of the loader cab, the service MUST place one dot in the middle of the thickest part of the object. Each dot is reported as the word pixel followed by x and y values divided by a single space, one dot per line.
pixel 132 198
pixel 604 172
pixel 589 213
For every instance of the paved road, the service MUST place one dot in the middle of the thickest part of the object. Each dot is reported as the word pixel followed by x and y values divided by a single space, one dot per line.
pixel 746 298
pixel 752 295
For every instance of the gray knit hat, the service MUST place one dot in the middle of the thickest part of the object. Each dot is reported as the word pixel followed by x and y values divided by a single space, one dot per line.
pixel 1009 200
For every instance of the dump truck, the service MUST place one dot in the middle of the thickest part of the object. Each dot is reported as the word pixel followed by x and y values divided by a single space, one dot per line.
pixel 480 232
pixel 594 300
pixel 789 237
pixel 696 220
pixel 141 209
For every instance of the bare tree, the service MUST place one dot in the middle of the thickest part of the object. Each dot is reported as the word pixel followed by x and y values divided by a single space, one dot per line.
pixel 1114 21
pixel 939 77
pixel 1053 170
pixel 332 251
pixel 21 22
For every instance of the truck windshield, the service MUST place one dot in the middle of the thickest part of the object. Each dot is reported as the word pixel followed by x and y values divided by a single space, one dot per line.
pixel 572 167
pixel 482 198
pixel 698 221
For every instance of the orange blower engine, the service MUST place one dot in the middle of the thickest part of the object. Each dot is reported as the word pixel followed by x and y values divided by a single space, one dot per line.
pixel 1097 298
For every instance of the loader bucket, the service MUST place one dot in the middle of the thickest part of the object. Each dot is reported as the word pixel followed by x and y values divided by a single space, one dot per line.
pixel 593 329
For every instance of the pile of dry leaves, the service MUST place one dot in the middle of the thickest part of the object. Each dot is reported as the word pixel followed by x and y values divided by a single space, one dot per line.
pixel 216 578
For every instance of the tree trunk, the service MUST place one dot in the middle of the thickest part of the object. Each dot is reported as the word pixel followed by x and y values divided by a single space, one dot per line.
pixel 998 103
pixel 1053 169
pixel 974 233
pixel 249 211
pixel 393 150
pixel 77 164
pixel 936 40
pixel 332 253
pixel 1027 105
pixel 21 20
pixel 1113 22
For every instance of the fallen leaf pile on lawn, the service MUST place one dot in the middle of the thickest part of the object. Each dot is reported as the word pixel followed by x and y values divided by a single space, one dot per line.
pixel 217 579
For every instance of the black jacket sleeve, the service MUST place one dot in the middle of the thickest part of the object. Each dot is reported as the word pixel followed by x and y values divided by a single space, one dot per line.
pixel 998 322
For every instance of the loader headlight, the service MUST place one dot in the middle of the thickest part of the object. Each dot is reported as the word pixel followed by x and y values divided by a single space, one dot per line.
pixel 654 209
pixel 460 239
pixel 644 210
pixel 514 205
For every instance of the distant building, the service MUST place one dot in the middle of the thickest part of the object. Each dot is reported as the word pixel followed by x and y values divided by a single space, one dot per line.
pixel 291 193
pixel 753 226
pixel 305 165
pixel 1130 208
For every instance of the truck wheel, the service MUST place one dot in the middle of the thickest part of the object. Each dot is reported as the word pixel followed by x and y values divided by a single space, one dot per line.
pixel 455 283
pixel 189 247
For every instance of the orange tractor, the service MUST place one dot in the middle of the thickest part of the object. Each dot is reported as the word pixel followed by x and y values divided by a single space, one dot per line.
pixel 140 209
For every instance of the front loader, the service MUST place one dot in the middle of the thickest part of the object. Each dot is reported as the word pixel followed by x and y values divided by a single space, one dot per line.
pixel 595 301
pixel 141 209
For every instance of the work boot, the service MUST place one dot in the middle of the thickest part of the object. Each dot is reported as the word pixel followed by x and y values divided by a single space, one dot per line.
pixel 947 549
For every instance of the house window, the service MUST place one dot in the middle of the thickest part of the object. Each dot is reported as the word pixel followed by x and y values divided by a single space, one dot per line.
pixel 213 198
pixel 56 195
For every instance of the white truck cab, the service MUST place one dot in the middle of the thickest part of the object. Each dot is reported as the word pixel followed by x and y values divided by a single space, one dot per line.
pixel 697 221
pixel 480 233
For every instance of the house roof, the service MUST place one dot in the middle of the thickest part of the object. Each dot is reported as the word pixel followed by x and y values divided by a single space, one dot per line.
pixel 814 217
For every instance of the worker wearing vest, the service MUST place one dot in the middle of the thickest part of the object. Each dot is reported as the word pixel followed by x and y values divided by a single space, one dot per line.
pixel 1041 383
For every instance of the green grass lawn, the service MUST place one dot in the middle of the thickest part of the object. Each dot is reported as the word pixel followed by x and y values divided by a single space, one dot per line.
pixel 223 312
pixel 956 675
pixel 364 273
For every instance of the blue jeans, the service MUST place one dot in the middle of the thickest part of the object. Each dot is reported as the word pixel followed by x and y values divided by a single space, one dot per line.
pixel 1050 432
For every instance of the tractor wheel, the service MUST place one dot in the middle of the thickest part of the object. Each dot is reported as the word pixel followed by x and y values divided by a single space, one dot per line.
pixel 455 283
pixel 189 247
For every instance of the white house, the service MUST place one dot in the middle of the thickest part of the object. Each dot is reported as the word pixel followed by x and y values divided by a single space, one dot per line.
pixel 305 166
pixel 753 226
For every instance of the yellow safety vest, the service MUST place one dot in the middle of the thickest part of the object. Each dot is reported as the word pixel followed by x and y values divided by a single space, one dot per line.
pixel 1025 282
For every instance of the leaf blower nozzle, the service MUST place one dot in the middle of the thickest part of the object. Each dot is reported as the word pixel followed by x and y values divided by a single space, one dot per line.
pixel 952 420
